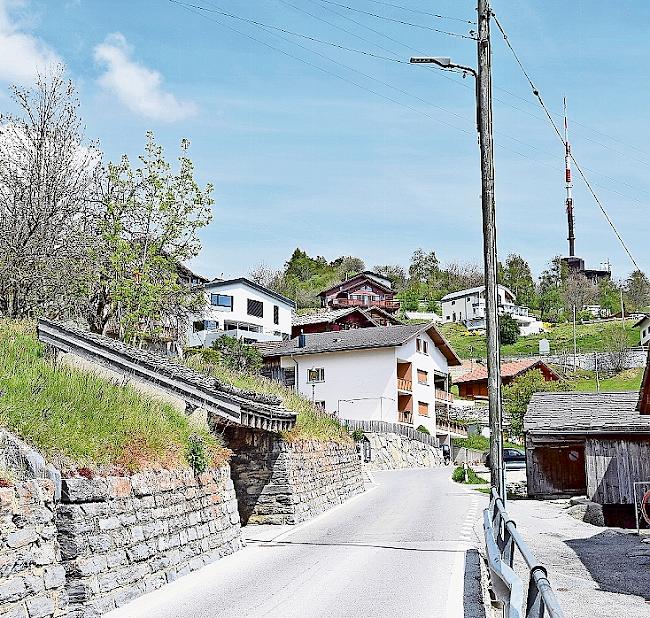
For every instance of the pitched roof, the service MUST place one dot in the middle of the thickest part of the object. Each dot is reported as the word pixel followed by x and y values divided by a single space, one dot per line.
pixel 508 370
pixel 475 290
pixel 359 339
pixel 560 412
pixel 323 315
pixel 382 282
pixel 218 283
pixel 641 320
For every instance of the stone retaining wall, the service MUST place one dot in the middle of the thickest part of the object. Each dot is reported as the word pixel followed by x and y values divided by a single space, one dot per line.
pixel 280 482
pixel 31 576
pixel 392 451
pixel 121 537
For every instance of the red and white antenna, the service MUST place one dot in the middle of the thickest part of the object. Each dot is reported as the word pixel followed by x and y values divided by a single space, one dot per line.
pixel 567 178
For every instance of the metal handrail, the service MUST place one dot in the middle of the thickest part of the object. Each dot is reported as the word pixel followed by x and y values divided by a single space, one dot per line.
pixel 501 540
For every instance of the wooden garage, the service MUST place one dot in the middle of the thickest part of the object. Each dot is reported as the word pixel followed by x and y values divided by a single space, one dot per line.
pixel 593 444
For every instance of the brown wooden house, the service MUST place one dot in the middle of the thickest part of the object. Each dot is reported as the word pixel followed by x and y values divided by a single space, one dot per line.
pixel 341 319
pixel 474 385
pixel 366 289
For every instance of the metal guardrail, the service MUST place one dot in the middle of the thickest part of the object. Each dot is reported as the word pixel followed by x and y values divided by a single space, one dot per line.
pixel 501 541
pixel 197 390
pixel 386 427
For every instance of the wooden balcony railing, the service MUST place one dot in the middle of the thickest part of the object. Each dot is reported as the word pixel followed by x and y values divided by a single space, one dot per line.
pixel 451 427
pixel 444 396
pixel 404 385
pixel 389 305
pixel 405 416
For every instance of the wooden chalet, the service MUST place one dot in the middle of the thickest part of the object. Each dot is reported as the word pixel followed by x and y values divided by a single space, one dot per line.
pixel 366 289
pixel 341 319
pixel 593 444
pixel 474 385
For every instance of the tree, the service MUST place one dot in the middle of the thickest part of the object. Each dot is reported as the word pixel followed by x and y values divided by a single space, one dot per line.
pixel 578 292
pixel 265 276
pixel 517 277
pixel 551 286
pixel 615 345
pixel 394 273
pixel 348 266
pixel 236 355
pixel 508 329
pixel 517 394
pixel 637 288
pixel 150 225
pixel 424 267
pixel 457 276
pixel 46 176
pixel 608 296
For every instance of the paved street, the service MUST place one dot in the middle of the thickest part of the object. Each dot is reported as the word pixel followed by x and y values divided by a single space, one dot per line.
pixel 403 548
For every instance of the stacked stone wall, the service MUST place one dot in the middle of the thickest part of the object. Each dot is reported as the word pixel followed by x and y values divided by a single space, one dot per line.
pixel 31 576
pixel 279 482
pixel 121 537
pixel 392 451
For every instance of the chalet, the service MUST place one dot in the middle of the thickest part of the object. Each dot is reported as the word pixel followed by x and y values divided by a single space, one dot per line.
pixel 593 444
pixel 395 373
pixel 366 289
pixel 328 320
pixel 474 384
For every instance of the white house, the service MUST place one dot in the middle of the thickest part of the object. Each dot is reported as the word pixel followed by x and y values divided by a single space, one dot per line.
pixel 396 373
pixel 239 308
pixel 644 329
pixel 468 307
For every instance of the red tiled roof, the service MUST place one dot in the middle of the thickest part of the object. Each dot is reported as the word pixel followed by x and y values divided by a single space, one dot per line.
pixel 508 370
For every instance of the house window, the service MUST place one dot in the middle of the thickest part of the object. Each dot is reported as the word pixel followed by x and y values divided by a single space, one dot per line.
pixel 256 308
pixel 316 375
pixel 422 346
pixel 423 408
pixel 221 300
pixel 454 316
pixel 201 325
pixel 320 405
pixel 276 314
pixel 423 377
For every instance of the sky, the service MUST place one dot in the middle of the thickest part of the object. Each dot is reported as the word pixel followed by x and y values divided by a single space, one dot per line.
pixel 346 153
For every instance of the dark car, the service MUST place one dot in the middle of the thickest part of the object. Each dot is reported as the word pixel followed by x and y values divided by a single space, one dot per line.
pixel 513 458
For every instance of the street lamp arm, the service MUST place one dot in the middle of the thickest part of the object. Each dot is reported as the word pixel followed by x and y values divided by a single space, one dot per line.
pixel 443 63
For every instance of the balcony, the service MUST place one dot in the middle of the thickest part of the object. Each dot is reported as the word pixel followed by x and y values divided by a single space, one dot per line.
pixel 404 385
pixel 340 303
pixel 444 396
pixel 451 427
pixel 405 416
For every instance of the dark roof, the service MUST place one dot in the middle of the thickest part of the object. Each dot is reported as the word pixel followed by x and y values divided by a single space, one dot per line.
pixel 359 339
pixel 184 270
pixel 331 315
pixel 579 413
pixel 508 370
pixel 381 281
pixel 217 283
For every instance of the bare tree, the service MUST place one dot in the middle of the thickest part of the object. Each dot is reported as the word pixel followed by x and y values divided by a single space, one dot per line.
pixel 578 292
pixel 46 173
pixel 266 276
pixel 615 344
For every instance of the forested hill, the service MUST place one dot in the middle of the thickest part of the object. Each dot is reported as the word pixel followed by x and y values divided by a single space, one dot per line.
pixel 553 294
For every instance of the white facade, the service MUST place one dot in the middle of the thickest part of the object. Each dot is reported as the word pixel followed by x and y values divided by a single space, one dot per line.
pixel 242 309
pixel 644 330
pixel 363 384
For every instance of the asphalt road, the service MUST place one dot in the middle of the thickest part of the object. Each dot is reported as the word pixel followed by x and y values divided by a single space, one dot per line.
pixel 404 548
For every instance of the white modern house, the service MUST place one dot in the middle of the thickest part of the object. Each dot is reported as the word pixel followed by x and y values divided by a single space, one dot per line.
pixel 397 373
pixel 242 309
pixel 468 307
pixel 644 329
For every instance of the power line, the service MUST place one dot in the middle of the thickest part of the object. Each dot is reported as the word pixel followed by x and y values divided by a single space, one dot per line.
pixel 406 8
pixel 399 21
pixel 537 94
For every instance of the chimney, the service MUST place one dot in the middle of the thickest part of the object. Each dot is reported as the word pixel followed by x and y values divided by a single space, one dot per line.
pixel 302 340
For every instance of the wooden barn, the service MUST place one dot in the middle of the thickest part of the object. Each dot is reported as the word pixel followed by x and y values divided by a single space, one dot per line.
pixel 593 444
pixel 474 384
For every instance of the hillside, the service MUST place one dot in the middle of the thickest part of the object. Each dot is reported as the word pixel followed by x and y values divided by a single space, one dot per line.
pixel 589 338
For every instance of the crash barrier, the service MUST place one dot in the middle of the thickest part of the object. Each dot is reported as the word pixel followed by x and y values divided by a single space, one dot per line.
pixel 501 542
pixel 386 427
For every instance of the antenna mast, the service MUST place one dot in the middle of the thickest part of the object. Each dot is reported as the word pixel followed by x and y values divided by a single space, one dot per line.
pixel 567 177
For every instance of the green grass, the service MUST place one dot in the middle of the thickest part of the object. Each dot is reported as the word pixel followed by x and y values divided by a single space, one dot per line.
pixel 585 381
pixel 589 338
pixel 458 475
pixel 312 423
pixel 77 419
pixel 480 443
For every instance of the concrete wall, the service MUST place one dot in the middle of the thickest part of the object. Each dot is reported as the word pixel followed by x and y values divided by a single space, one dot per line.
pixel 392 451
pixel 279 482
pixel 31 576
pixel 121 537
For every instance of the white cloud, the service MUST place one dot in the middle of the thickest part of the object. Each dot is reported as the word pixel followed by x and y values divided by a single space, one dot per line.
pixel 138 87
pixel 22 55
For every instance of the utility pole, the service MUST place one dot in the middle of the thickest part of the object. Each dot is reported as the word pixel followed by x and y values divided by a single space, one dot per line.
pixel 484 103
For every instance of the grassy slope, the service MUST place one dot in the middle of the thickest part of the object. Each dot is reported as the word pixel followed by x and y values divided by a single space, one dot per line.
pixel 589 339
pixel 80 420
pixel 628 380
pixel 312 423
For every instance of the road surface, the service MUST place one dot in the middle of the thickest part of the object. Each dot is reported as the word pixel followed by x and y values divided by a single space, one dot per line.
pixel 403 548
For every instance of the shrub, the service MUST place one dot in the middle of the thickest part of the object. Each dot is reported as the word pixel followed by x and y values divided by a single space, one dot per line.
pixel 423 429
pixel 508 329
pixel 235 354
pixel 357 435
pixel 458 475
pixel 196 454
pixel 472 478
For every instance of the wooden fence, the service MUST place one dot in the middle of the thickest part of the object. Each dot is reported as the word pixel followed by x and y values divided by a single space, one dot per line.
pixel 385 427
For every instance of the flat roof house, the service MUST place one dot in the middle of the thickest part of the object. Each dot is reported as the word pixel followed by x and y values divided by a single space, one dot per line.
pixel 242 309
pixel 397 373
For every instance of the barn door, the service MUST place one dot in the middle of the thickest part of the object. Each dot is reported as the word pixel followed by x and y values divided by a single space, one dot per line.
pixel 563 469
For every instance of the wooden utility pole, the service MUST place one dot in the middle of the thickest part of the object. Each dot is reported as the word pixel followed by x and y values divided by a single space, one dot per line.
pixel 484 103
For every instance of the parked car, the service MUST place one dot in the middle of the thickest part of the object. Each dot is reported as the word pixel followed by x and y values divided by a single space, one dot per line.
pixel 513 458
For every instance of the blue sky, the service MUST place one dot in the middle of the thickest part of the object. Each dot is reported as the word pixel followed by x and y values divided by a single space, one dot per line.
pixel 300 156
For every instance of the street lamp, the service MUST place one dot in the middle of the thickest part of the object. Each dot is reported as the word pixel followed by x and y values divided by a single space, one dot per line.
pixel 443 62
